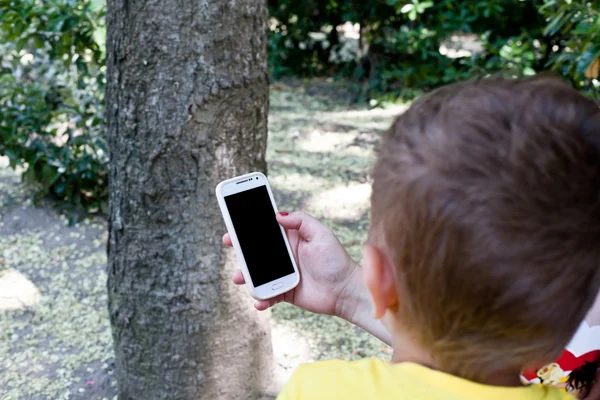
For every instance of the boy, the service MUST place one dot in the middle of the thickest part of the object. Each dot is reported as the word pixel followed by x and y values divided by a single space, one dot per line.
pixel 483 253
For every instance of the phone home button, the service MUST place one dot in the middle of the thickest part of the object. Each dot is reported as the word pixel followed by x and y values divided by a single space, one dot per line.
pixel 276 286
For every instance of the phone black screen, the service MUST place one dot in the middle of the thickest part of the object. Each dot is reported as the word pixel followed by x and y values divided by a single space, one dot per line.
pixel 259 235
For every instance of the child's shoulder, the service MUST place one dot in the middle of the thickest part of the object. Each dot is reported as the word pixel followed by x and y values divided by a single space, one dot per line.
pixel 337 379
pixel 375 379
pixel 344 369
pixel 335 371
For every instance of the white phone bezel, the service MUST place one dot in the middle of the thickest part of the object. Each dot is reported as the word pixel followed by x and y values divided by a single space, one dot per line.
pixel 241 184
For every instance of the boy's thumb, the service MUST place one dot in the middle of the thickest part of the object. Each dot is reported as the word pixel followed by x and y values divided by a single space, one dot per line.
pixel 300 221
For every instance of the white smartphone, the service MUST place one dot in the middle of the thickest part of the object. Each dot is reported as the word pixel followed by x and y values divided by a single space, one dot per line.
pixel 261 245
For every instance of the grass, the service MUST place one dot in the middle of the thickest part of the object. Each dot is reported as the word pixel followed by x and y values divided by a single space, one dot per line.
pixel 319 156
pixel 61 346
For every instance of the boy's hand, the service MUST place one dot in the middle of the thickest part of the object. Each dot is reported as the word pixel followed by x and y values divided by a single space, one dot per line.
pixel 325 267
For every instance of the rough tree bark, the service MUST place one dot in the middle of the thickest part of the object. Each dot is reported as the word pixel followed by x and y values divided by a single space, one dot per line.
pixel 186 106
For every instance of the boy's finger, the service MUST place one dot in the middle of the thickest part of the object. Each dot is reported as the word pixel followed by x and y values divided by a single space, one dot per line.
pixel 227 240
pixel 262 305
pixel 238 278
pixel 300 221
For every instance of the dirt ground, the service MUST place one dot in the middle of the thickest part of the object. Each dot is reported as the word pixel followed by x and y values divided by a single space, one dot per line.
pixel 55 340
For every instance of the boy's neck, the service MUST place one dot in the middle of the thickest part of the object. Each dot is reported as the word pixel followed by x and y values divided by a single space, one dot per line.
pixel 406 350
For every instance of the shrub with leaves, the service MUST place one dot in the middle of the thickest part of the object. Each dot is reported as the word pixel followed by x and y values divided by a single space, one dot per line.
pixel 51 97
pixel 407 46
pixel 574 26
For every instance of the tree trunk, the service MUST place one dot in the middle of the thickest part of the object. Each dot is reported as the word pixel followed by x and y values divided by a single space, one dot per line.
pixel 186 106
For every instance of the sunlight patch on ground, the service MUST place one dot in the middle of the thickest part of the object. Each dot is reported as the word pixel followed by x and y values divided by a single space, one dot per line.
pixel 387 112
pixel 357 151
pixel 373 119
pixel 341 203
pixel 290 349
pixel 16 291
pixel 317 141
pixel 298 182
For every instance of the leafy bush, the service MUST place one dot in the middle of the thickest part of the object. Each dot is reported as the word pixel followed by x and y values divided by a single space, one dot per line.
pixel 575 28
pixel 401 41
pixel 51 97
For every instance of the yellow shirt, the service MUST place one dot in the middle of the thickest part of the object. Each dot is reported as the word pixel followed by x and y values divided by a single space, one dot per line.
pixel 376 379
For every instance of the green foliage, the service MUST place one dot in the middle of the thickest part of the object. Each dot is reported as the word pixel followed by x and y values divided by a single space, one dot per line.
pixel 575 27
pixel 52 65
pixel 412 9
pixel 293 28
pixel 51 97
pixel 407 46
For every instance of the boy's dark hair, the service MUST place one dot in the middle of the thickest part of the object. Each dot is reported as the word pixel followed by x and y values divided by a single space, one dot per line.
pixel 486 199
pixel 583 377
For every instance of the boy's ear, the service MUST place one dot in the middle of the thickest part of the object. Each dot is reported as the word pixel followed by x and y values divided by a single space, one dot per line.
pixel 379 278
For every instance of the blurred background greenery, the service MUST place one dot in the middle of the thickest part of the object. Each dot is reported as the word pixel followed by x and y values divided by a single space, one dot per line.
pixel 52 73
